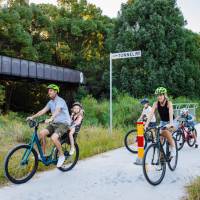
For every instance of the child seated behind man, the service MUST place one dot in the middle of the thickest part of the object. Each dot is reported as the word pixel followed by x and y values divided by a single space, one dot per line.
pixel 189 122
pixel 77 117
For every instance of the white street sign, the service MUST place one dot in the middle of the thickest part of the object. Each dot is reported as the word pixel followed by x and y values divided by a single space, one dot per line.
pixel 113 56
pixel 130 54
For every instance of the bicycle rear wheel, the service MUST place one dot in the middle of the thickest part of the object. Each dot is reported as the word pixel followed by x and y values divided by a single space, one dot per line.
pixel 70 161
pixel 21 164
pixel 154 165
pixel 191 138
pixel 130 141
pixel 178 135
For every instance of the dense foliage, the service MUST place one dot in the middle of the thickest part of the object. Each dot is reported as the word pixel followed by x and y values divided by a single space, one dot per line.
pixel 76 35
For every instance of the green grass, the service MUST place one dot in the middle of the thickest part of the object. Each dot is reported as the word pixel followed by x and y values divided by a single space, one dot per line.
pixel 94 137
pixel 193 190
pixel 92 140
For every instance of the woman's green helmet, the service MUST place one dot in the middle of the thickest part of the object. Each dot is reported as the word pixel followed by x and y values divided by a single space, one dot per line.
pixel 160 90
pixel 54 87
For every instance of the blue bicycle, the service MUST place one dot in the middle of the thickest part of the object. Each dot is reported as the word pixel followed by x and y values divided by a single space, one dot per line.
pixel 21 163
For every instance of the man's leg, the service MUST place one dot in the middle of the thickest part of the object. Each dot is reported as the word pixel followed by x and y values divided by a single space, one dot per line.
pixel 61 158
pixel 55 139
pixel 42 136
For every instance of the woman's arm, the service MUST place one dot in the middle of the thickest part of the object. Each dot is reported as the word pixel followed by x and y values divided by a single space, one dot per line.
pixel 171 113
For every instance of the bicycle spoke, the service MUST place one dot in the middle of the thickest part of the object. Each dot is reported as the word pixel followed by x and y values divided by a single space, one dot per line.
pixel 70 160
pixel 21 164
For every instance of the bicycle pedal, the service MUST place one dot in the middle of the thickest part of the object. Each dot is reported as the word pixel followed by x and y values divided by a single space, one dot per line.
pixel 46 158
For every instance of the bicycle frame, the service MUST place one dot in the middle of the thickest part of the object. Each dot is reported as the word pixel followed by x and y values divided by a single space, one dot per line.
pixel 160 146
pixel 35 140
pixel 185 137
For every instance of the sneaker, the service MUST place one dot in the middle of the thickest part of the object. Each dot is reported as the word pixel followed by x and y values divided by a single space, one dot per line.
pixel 61 160
pixel 72 151
pixel 196 146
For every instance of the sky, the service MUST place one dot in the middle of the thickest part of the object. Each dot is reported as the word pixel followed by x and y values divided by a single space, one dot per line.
pixel 189 8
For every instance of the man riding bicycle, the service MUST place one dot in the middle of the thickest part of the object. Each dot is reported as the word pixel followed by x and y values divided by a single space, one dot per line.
pixel 59 122
pixel 165 110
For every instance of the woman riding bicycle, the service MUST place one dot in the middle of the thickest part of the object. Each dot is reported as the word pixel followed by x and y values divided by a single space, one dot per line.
pixel 165 110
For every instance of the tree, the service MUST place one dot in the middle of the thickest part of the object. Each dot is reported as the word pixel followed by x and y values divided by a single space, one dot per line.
pixel 157 28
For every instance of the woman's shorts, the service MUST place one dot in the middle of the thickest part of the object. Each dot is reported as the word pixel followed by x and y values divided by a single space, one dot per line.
pixel 164 123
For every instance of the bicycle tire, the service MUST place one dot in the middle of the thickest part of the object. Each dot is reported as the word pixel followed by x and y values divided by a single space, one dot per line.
pixel 178 135
pixel 65 167
pixel 126 141
pixel 145 165
pixel 172 168
pixel 7 160
pixel 189 139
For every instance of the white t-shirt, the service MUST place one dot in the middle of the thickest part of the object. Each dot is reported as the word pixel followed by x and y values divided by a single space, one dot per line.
pixel 146 111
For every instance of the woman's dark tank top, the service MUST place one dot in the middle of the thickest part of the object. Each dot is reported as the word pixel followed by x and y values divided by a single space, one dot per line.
pixel 163 111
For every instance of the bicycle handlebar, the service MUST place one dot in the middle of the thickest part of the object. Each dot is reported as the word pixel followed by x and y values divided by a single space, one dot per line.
pixel 34 123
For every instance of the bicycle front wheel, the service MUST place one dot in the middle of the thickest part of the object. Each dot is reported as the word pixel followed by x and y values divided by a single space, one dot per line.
pixel 154 165
pixel 21 164
pixel 173 162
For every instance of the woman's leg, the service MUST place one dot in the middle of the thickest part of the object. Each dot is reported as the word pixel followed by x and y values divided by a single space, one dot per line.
pixel 167 134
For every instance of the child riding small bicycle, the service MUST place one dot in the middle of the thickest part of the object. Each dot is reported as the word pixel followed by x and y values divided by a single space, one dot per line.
pixel 145 113
pixel 189 122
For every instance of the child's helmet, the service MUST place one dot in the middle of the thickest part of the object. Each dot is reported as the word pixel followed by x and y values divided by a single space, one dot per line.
pixel 77 104
pixel 184 111
pixel 144 101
